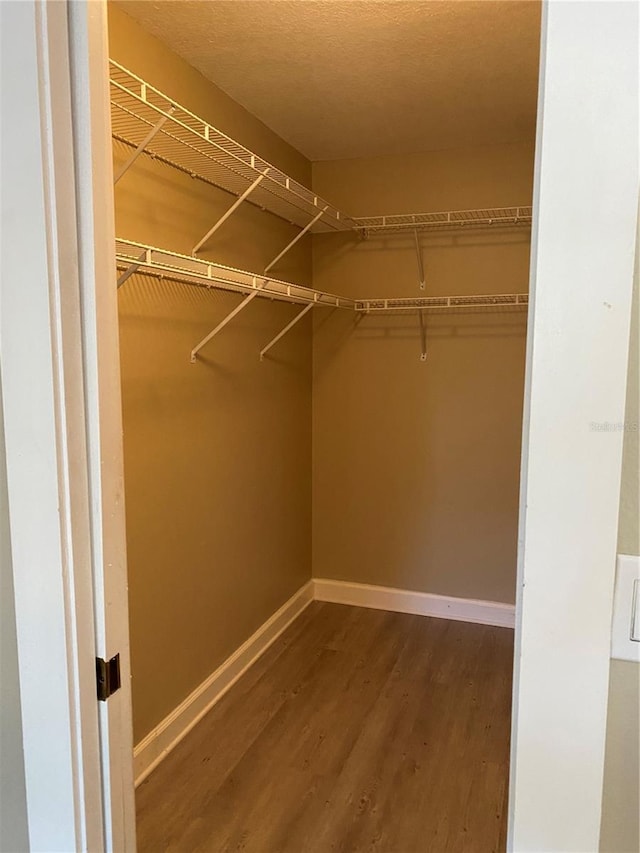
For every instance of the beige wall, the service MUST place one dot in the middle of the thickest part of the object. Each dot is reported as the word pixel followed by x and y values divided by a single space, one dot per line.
pixel 217 454
pixel 13 802
pixel 416 465
pixel 621 798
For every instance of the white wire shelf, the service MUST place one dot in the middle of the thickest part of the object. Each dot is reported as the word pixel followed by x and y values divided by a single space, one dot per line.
pixel 132 257
pixel 187 142
pixel 147 120
pixel 442 303
pixel 496 217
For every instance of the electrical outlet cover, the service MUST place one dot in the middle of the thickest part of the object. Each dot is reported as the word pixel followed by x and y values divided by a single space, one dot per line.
pixel 626 609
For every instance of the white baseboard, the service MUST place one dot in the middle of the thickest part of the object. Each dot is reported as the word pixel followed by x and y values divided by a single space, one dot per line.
pixel 160 741
pixel 420 603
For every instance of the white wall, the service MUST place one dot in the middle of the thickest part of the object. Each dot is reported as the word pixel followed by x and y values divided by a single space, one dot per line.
pixel 585 206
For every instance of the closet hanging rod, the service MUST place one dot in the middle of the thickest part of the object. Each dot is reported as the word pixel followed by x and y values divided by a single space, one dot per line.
pixel 196 147
pixel 490 217
pixel 138 257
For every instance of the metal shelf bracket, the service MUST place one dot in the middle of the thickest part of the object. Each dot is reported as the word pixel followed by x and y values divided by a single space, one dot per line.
pixel 157 126
pixel 307 227
pixel 421 280
pixel 423 336
pixel 289 326
pixel 245 195
pixel 227 319
pixel 145 257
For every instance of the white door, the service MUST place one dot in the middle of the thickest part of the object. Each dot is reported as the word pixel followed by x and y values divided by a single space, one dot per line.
pixel 61 402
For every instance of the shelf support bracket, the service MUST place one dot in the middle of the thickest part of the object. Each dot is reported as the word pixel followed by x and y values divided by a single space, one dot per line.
pixel 423 336
pixel 290 325
pixel 143 258
pixel 227 319
pixel 421 280
pixel 245 195
pixel 295 239
pixel 125 166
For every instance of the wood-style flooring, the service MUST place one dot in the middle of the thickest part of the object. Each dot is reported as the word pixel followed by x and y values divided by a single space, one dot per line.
pixel 358 730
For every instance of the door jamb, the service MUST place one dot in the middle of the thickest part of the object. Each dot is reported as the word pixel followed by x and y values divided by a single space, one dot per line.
pixel 61 411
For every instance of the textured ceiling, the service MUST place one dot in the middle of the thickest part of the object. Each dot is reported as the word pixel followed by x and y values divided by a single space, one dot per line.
pixel 364 78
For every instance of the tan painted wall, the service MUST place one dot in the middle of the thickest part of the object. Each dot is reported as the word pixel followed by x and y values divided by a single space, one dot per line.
pixel 416 465
pixel 217 454
pixel 621 797
pixel 13 797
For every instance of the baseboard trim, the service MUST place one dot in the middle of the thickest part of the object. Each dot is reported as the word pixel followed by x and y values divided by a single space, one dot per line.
pixel 420 603
pixel 160 741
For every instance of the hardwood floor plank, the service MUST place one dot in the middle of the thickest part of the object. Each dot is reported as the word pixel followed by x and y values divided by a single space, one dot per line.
pixel 202 761
pixel 358 730
pixel 304 733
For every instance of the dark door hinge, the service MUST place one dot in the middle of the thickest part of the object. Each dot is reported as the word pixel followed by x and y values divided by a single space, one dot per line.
pixel 107 677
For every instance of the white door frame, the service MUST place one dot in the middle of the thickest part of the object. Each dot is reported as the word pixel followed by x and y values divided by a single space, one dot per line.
pixel 582 255
pixel 99 305
pixel 63 437
pixel 63 433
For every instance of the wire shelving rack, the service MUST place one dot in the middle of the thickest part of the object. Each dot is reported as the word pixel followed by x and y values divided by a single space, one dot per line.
pixel 496 217
pixel 146 119
pixel 441 303
pixel 150 122
pixel 133 257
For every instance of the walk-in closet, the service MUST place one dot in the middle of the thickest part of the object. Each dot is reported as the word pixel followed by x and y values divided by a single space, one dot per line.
pixel 323 220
